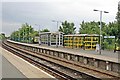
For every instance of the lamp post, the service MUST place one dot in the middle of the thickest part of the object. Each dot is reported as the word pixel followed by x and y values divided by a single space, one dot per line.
pixel 28 34
pixel 39 27
pixel 39 34
pixel 19 36
pixel 23 35
pixel 100 25
pixel 58 32
pixel 57 23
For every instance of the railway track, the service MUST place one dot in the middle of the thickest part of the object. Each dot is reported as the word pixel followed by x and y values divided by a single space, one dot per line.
pixel 40 63
pixel 58 69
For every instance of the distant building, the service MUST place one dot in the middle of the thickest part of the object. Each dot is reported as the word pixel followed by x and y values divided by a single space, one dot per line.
pixel 85 41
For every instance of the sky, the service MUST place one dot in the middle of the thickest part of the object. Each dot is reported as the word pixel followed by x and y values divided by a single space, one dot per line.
pixel 14 13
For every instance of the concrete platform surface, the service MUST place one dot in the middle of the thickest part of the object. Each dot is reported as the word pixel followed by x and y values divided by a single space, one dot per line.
pixel 21 67
pixel 10 71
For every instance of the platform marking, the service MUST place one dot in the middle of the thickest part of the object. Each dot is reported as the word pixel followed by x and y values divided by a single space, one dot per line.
pixel 31 64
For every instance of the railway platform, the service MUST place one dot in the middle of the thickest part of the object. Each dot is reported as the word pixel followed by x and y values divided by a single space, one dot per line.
pixel 105 54
pixel 108 62
pixel 10 71
pixel 20 68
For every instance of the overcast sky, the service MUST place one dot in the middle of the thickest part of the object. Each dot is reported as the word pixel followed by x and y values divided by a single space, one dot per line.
pixel 42 12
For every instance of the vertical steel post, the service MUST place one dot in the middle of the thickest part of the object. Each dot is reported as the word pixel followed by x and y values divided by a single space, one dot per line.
pixel 100 30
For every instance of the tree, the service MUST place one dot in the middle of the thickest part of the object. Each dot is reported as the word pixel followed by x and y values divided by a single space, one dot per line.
pixel 112 29
pixel 118 20
pixel 67 28
pixel 25 31
pixel 45 30
pixel 25 34
pixel 2 36
pixel 91 28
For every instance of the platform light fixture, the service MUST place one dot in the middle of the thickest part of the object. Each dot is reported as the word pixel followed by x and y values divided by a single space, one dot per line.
pixel 57 31
pixel 39 33
pixel 100 25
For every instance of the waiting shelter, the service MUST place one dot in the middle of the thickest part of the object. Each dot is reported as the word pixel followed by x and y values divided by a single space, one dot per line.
pixel 51 38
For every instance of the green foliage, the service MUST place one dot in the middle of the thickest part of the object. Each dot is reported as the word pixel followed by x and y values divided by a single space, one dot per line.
pixel 45 30
pixel 118 20
pixel 92 27
pixel 25 34
pixel 109 44
pixel 110 29
pixel 2 36
pixel 89 28
pixel 67 28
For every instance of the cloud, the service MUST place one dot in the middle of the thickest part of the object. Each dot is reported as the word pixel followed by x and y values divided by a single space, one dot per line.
pixel 9 27
pixel 44 11
pixel 37 0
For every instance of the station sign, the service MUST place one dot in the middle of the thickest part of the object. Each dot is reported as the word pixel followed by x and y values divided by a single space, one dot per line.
pixel 109 36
